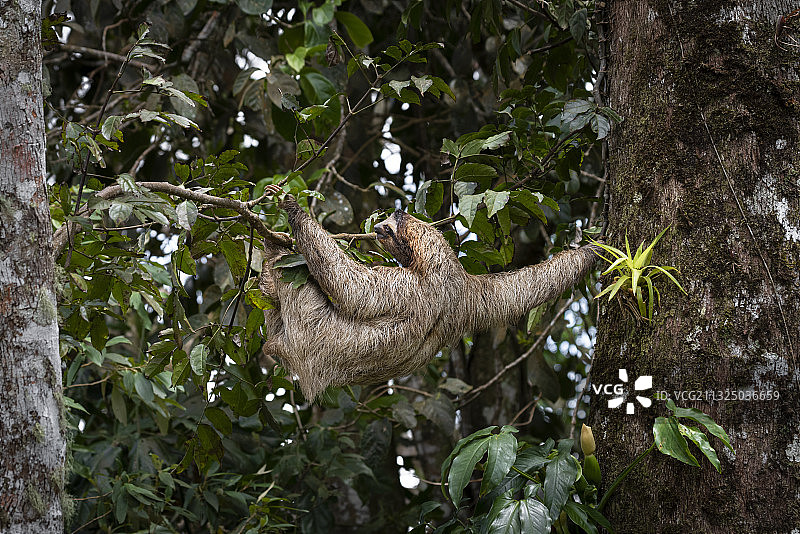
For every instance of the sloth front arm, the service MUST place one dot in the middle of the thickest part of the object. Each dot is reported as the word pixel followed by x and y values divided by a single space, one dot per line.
pixel 360 291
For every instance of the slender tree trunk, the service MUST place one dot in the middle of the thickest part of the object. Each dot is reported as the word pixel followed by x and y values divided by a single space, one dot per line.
pixel 31 426
pixel 710 146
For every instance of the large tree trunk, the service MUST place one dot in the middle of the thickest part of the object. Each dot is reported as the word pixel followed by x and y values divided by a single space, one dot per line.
pixel 709 145
pixel 31 425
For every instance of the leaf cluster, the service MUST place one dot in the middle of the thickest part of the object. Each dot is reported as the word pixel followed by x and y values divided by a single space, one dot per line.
pixel 635 271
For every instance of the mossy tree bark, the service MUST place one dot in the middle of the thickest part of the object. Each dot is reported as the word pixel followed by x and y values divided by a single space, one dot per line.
pixel 710 146
pixel 31 427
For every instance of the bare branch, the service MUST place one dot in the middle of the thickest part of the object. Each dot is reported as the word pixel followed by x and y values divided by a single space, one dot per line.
pixel 103 54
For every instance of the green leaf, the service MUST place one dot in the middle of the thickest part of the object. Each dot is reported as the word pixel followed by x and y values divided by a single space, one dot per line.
pixel 254 319
pixel 698 416
pixel 559 478
pixel 234 255
pixel 184 261
pixel 156 364
pixel 120 211
pixel 322 15
pixel 120 503
pixel 442 86
pixel 144 388
pixel 198 358
pixel 439 410
pixel 358 31
pixel 254 7
pixel 528 515
pixel 422 84
pixel 700 439
pixel 291 260
pixel 502 453
pixel 429 198
pixel 449 147
pixel 468 206
pixel 463 442
pixel 118 405
pixel 464 188
pixel 94 355
pixel 111 126
pixel 403 413
pixel 600 126
pixel 220 420
pixel 99 332
pixel 578 515
pixel 530 201
pixel 573 108
pixel 70 403
pixel 474 172
pixel 671 442
pixel 495 200
pixel 534 317
pixel 311 112
pixel 577 25
pixel 187 214
pixel 496 141
pixel 455 386
pixel 462 467
pixel 297 59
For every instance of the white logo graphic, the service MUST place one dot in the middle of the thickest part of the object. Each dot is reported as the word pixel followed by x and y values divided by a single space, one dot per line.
pixel 642 383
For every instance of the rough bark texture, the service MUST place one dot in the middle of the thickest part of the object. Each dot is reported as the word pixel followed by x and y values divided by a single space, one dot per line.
pixel 31 431
pixel 675 67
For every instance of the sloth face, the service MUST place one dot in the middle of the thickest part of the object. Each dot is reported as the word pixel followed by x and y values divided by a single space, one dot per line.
pixel 392 235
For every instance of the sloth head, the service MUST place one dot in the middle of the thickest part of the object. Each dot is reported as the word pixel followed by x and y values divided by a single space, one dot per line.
pixel 414 243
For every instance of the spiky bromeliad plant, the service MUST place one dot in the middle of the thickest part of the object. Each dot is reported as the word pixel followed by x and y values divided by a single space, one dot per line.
pixel 633 270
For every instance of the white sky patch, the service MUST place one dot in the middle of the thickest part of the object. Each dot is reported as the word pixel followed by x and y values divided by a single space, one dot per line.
pixel 408 478
pixel 248 59
pixel 248 142
pixel 391 152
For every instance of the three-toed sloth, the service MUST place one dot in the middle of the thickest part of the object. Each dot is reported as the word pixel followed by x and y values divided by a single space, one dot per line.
pixel 354 324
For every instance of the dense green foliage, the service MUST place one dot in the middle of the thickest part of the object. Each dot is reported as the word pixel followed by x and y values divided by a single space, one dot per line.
pixel 474 112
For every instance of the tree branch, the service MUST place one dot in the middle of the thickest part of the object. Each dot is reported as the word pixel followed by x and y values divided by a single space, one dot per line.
pixel 103 54
pixel 70 229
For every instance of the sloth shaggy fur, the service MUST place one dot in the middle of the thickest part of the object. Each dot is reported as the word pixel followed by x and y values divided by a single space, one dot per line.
pixel 354 324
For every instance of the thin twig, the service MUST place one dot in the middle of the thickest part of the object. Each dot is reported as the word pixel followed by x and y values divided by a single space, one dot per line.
pixel 550 46
pixel 90 522
pixel 103 54
pixel 296 411
pixel 140 158
pixel 472 395
pixel 533 403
